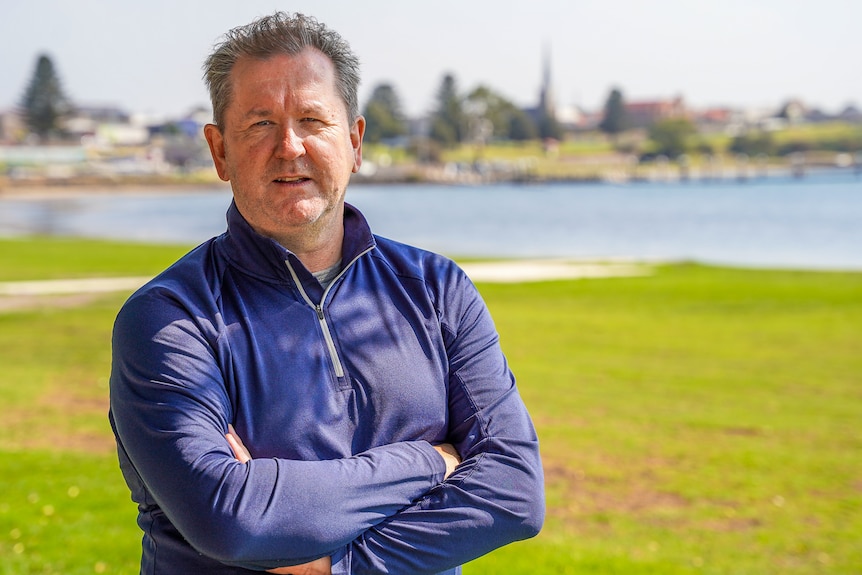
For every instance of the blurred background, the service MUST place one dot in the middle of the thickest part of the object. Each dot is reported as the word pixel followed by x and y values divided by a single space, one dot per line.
pixel 629 96
pixel 694 169
pixel 755 57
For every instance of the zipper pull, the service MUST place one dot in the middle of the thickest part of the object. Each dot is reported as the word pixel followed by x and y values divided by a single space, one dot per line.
pixel 319 310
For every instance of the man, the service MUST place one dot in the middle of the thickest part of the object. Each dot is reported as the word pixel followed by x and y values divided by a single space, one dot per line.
pixel 297 391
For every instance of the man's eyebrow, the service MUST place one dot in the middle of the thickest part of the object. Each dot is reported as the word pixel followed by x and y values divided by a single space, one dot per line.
pixel 257 113
pixel 315 109
pixel 309 110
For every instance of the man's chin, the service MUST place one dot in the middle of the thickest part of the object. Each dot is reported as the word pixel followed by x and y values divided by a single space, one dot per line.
pixel 302 212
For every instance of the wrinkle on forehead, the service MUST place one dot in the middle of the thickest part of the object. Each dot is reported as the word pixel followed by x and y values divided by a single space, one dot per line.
pixel 307 82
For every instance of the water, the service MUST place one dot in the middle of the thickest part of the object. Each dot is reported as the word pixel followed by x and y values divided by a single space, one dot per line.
pixel 815 222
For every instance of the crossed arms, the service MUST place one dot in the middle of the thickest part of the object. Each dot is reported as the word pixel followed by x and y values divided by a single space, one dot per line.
pixel 393 508
pixel 323 566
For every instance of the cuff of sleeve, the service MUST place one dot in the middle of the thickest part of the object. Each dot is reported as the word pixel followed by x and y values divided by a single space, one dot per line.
pixel 341 561
pixel 435 461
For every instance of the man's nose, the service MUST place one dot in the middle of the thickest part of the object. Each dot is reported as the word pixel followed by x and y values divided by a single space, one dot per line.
pixel 290 145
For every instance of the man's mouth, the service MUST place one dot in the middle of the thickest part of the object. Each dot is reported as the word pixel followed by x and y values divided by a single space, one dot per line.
pixel 290 180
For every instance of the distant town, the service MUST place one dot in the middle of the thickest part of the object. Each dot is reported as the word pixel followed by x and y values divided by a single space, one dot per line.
pixel 472 136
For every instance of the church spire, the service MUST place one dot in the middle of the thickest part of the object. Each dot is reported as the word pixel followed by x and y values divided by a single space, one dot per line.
pixel 546 98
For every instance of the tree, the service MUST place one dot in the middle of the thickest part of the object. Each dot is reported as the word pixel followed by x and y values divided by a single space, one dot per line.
pixel 753 144
pixel 521 126
pixel 383 115
pixel 549 127
pixel 448 124
pixel 486 107
pixel 614 120
pixel 671 136
pixel 44 104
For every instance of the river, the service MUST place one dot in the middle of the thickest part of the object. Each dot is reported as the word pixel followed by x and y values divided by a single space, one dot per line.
pixel 813 222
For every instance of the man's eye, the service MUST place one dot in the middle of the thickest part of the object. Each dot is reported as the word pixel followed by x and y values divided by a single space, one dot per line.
pixel 310 119
pixel 263 123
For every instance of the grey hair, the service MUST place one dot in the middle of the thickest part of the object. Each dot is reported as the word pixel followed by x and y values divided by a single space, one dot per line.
pixel 280 33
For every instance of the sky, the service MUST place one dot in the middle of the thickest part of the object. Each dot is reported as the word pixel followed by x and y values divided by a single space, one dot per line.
pixel 146 56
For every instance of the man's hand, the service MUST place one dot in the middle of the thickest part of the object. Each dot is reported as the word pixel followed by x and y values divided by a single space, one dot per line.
pixel 450 456
pixel 236 445
pixel 322 566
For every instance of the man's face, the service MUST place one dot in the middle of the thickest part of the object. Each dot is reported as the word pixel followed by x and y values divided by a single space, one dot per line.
pixel 287 146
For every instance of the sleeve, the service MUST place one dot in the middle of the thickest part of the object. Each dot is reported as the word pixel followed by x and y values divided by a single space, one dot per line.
pixel 496 496
pixel 170 411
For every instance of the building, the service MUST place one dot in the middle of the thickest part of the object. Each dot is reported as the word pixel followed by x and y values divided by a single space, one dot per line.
pixel 646 113
pixel 12 129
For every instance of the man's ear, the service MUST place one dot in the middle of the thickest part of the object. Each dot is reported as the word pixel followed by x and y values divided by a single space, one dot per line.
pixel 357 133
pixel 215 139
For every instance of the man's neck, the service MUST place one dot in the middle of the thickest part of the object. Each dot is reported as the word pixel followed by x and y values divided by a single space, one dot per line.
pixel 316 251
pixel 317 244
pixel 319 260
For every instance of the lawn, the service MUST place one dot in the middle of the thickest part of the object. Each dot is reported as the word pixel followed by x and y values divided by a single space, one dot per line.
pixel 698 420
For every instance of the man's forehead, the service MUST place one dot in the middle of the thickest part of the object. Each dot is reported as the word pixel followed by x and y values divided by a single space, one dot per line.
pixel 260 86
pixel 309 60
pixel 307 70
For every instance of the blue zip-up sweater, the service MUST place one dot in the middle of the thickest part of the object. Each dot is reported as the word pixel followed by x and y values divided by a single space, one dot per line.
pixel 338 394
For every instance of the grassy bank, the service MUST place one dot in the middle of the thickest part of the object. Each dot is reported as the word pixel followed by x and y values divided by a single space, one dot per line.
pixel 699 420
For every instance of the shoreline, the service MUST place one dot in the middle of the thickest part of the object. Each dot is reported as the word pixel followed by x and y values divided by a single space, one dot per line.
pixel 42 191
pixel 207 181
pixel 47 189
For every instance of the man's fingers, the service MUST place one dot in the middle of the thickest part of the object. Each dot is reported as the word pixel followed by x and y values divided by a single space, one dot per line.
pixel 239 451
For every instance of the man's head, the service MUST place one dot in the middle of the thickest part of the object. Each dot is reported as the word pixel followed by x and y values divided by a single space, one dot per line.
pixel 278 34
pixel 287 136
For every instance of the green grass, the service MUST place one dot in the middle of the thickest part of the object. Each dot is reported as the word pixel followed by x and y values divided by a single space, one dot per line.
pixel 64 508
pixel 51 258
pixel 818 133
pixel 699 420
pixel 65 513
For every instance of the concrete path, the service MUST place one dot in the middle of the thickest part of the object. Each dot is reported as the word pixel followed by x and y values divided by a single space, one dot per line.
pixel 71 286
pixel 518 271
pixel 65 292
